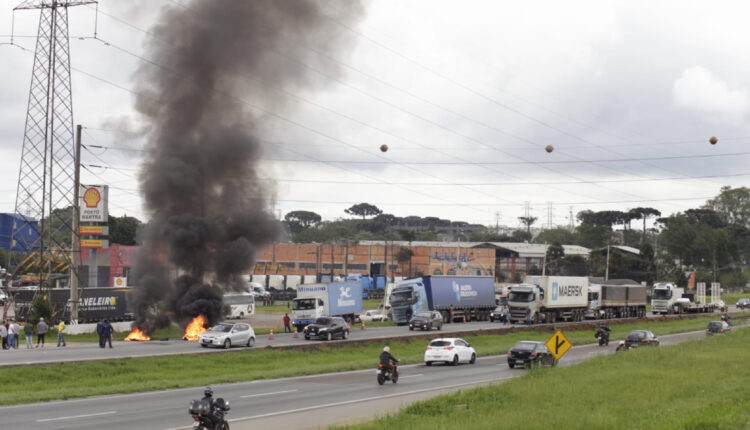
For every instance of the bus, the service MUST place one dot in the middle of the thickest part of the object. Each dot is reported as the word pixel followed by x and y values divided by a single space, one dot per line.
pixel 240 305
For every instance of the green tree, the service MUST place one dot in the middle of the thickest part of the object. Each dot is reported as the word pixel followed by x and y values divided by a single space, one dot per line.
pixel 733 205
pixel 123 229
pixel 555 253
pixel 403 256
pixel 301 220
pixel 40 308
pixel 644 213
pixel 527 221
pixel 364 210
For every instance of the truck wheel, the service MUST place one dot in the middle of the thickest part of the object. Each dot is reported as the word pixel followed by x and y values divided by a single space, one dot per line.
pixel 242 315
pixel 440 326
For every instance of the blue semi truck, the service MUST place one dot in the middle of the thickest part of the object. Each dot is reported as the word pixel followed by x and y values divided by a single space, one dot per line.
pixel 472 297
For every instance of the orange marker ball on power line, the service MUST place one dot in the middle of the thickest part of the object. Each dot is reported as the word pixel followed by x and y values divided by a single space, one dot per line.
pixel 549 148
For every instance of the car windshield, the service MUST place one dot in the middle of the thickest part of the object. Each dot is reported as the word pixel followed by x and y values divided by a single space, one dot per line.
pixel 439 343
pixel 525 346
pixel 518 296
pixel 422 315
pixel 323 321
pixel 303 304
pixel 637 335
pixel 662 294
pixel 222 328
pixel 498 309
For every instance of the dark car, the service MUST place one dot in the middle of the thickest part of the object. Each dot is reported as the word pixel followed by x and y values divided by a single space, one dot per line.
pixel 327 328
pixel 638 338
pixel 529 353
pixel 717 327
pixel 499 314
pixel 743 303
pixel 426 320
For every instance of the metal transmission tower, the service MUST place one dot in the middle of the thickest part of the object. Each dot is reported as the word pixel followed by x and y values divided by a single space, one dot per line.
pixel 46 178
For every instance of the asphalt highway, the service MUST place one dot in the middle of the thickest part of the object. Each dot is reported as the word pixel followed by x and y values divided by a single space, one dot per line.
pixel 84 351
pixel 294 403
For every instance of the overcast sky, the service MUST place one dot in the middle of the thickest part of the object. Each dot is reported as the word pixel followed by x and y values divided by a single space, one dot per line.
pixel 465 94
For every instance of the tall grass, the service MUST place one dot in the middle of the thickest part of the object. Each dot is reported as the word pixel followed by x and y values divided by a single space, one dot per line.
pixel 693 385
pixel 25 384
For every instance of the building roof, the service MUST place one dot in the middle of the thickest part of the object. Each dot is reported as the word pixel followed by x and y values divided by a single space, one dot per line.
pixel 522 249
pixel 623 248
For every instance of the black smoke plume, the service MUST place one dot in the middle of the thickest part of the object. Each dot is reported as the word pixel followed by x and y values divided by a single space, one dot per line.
pixel 218 61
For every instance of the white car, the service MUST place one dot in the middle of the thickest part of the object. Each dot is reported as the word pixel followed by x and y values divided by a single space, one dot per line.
pixel 228 334
pixel 373 316
pixel 451 350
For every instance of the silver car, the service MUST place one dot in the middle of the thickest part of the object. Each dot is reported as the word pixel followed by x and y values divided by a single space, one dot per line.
pixel 228 334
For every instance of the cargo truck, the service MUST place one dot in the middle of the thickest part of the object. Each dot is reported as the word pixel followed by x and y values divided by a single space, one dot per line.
pixel 471 297
pixel 94 304
pixel 668 298
pixel 549 299
pixel 339 299
pixel 616 298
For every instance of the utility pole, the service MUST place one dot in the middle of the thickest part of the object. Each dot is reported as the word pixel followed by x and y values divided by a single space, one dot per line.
pixel 75 237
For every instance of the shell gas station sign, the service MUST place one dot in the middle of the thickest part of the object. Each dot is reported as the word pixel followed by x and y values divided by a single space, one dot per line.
pixel 94 203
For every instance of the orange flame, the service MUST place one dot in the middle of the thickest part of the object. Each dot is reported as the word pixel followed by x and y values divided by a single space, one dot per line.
pixel 137 334
pixel 196 327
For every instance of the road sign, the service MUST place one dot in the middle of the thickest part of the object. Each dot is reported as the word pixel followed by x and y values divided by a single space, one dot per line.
pixel 558 344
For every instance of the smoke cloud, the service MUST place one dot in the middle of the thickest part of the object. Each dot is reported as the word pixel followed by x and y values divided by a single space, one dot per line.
pixel 206 206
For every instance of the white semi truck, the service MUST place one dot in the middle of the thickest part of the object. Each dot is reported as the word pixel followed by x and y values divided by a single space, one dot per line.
pixel 668 298
pixel 549 298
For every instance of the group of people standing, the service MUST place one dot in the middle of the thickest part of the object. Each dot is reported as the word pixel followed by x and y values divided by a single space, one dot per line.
pixel 104 329
pixel 11 334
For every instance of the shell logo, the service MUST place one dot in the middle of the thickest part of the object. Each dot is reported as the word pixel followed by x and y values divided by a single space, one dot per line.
pixel 113 301
pixel 118 282
pixel 92 197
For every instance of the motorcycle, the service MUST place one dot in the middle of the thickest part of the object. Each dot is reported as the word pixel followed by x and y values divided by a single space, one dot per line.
pixel 205 419
pixel 385 375
pixel 603 337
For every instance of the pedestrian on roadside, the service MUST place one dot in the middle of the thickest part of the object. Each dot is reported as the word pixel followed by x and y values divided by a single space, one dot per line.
pixel 60 333
pixel 506 314
pixel 13 329
pixel 287 322
pixel 528 316
pixel 100 332
pixel 4 334
pixel 450 313
pixel 108 329
pixel 28 330
pixel 41 331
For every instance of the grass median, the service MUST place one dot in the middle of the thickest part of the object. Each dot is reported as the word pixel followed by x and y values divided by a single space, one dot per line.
pixel 43 382
pixel 692 385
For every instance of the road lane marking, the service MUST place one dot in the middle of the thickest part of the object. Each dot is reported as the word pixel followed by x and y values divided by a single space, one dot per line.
pixel 76 416
pixel 268 394
pixel 410 376
pixel 367 399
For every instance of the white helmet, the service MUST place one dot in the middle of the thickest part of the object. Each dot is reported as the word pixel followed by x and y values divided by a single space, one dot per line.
pixel 387 348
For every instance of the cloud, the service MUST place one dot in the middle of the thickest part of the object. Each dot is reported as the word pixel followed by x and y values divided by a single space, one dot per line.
pixel 699 90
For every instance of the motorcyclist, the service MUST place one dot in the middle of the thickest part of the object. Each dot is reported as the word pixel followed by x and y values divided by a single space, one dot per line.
pixel 208 399
pixel 386 359
pixel 604 330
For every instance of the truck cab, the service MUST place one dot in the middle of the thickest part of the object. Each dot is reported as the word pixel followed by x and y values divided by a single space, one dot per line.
pixel 594 310
pixel 664 296
pixel 405 301
pixel 522 297
pixel 307 310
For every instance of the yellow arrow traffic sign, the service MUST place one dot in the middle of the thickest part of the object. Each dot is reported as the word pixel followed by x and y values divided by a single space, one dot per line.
pixel 558 344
